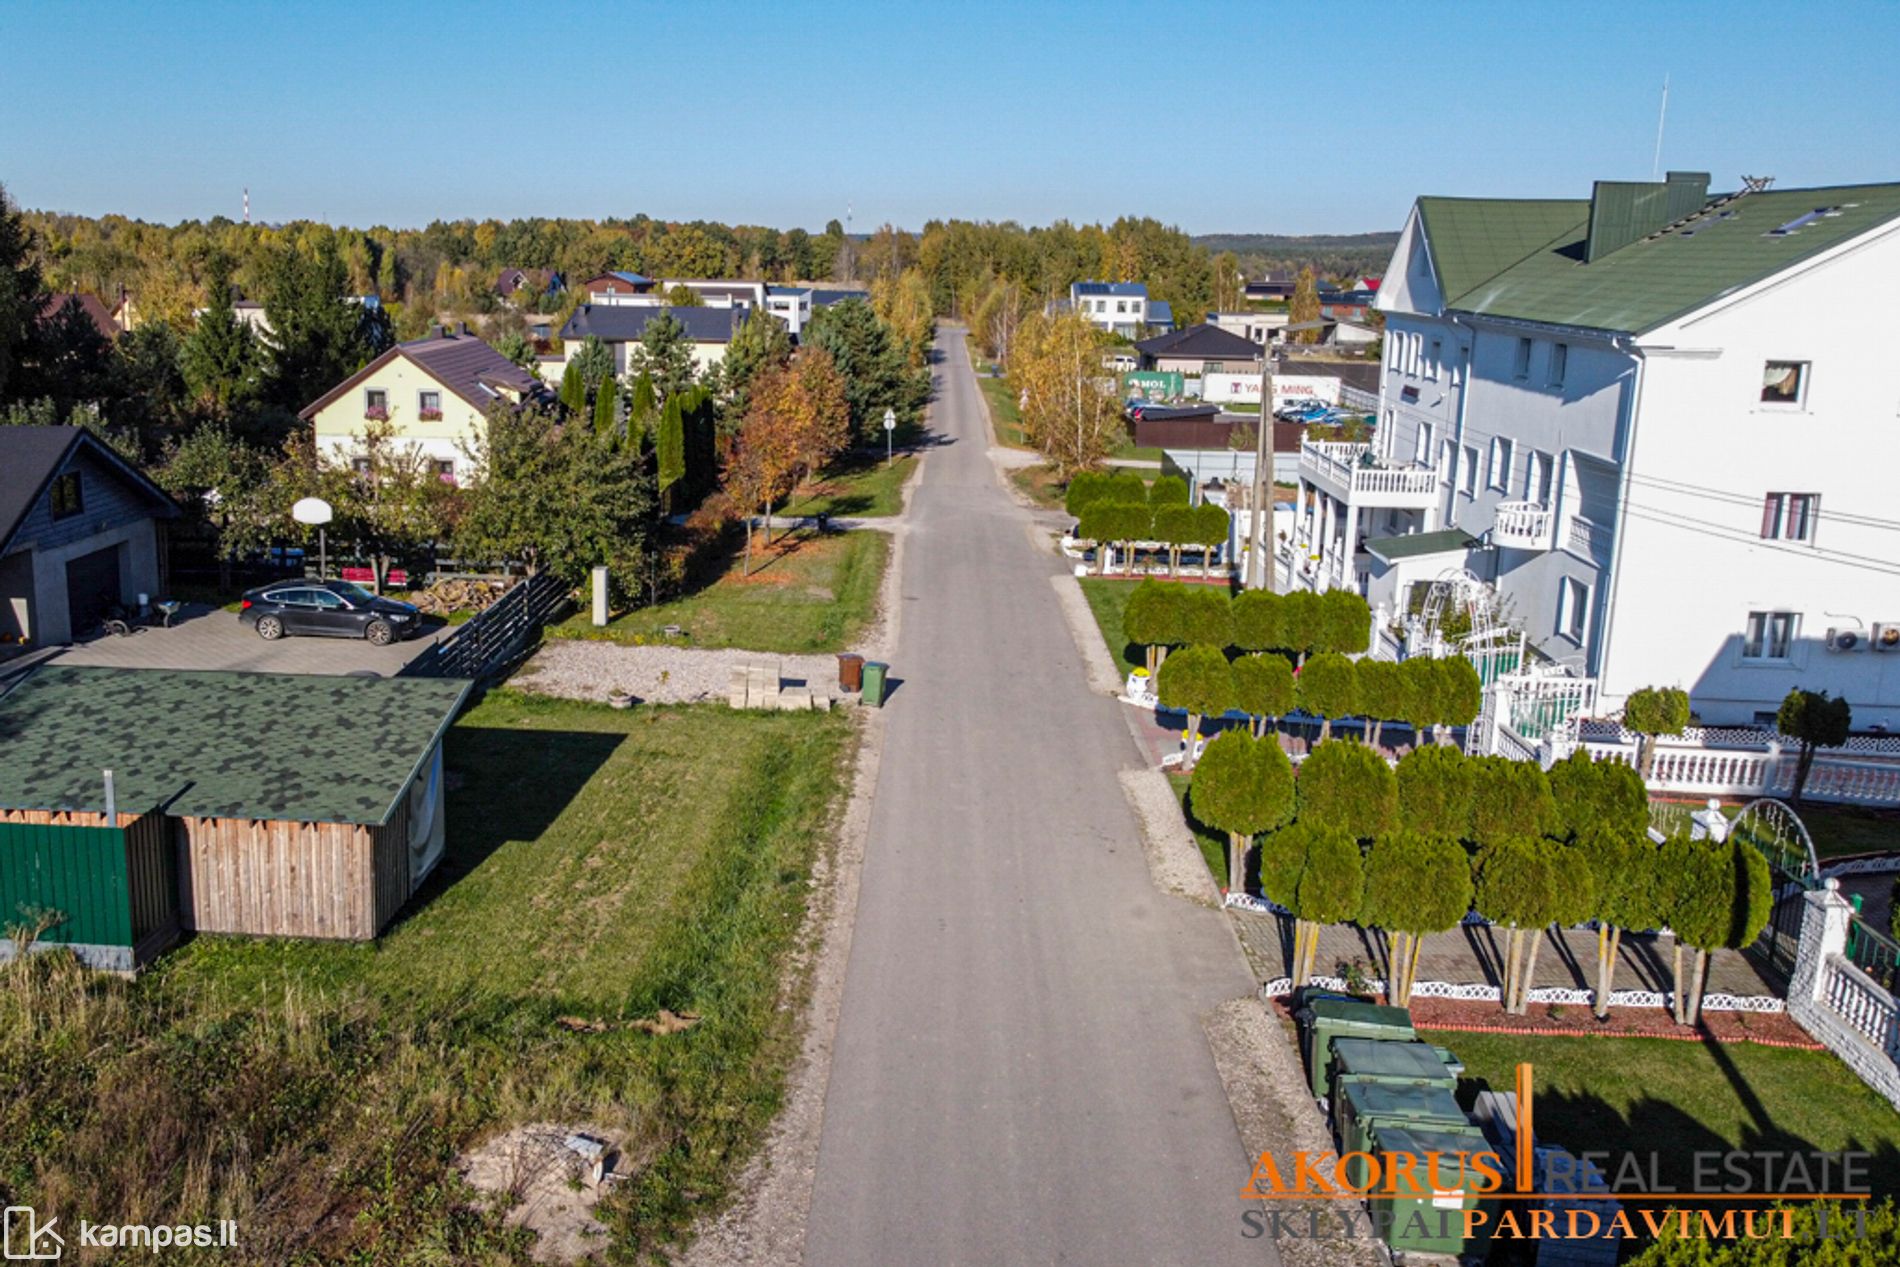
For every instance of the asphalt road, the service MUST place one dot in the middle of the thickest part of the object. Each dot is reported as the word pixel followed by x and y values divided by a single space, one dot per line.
pixel 1020 1073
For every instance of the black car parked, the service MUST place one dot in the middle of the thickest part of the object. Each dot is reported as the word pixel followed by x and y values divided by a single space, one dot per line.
pixel 336 609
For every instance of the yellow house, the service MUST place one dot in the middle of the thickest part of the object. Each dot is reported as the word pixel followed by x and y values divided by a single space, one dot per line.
pixel 434 392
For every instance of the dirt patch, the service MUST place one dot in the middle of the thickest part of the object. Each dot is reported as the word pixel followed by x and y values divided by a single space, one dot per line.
pixel 1174 859
pixel 1769 1029
pixel 549 1187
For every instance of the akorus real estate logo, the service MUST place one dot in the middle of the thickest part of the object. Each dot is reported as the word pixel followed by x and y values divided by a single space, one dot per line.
pixel 1454 1193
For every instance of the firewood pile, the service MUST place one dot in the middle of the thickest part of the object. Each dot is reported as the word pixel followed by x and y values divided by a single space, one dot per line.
pixel 456 595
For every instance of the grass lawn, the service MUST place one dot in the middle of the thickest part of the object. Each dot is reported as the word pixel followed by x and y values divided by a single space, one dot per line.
pixel 1008 418
pixel 1040 483
pixel 1638 1094
pixel 1838 831
pixel 1213 844
pixel 602 865
pixel 1107 598
pixel 1130 452
pixel 857 486
pixel 806 593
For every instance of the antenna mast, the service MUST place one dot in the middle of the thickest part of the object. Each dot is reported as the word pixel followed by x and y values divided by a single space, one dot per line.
pixel 247 204
pixel 1662 116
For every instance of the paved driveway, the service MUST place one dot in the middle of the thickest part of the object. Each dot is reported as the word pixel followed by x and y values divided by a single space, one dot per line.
pixel 1020 1074
pixel 206 638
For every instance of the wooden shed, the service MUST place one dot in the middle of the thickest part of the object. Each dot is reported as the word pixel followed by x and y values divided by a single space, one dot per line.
pixel 268 804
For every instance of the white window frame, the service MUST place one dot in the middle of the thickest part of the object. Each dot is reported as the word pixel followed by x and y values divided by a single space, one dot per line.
pixel 1758 632
pixel 1573 610
pixel 1448 462
pixel 1804 370
pixel 1538 474
pixel 1431 363
pixel 1521 360
pixel 422 399
pixel 1779 516
pixel 369 398
pixel 1468 485
pixel 1499 474
pixel 1422 444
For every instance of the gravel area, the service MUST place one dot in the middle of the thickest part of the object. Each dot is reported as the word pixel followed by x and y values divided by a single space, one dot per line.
pixel 1174 856
pixel 658 675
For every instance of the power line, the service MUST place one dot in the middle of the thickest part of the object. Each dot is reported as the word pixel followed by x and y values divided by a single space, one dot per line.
pixel 1755 500
pixel 1671 519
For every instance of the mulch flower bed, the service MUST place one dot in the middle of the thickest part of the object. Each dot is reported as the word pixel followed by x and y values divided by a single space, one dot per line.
pixel 1770 1029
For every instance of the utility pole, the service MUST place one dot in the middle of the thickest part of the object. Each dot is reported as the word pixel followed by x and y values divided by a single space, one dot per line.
pixel 1260 523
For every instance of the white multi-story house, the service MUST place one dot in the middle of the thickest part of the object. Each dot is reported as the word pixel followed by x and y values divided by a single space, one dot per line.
pixel 1649 419
pixel 1121 307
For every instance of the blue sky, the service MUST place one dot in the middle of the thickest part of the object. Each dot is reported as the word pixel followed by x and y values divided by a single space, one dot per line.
pixel 1315 117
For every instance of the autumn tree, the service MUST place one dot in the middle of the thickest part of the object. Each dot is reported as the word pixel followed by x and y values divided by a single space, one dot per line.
pixel 1304 306
pixel 1068 413
pixel 797 420
pixel 387 499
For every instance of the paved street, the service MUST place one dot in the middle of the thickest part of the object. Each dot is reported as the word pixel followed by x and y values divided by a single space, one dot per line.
pixel 1020 1074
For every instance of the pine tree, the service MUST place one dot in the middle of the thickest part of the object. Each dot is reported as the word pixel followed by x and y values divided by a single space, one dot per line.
pixel 221 356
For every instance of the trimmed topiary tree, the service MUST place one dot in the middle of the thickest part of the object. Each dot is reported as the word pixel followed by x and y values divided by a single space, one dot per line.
pixel 1591 794
pixel 1263 688
pixel 1174 528
pixel 1345 622
pixel 1210 531
pixel 1318 873
pixel 1517 882
pixel 1628 888
pixel 1242 787
pixel 1085 489
pixel 1818 720
pixel 1509 799
pixel 1257 620
pixel 1720 896
pixel 1421 691
pixel 1416 883
pixel 1207 617
pixel 1329 687
pixel 1168 490
pixel 1199 682
pixel 1381 695
pixel 1151 619
pixel 1301 624
pixel 1348 786
pixel 1133 521
pixel 1653 711
pixel 1434 786
pixel 1460 692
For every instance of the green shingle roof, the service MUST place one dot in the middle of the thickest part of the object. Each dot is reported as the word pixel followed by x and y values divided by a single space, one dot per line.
pixel 219 745
pixel 1523 258
pixel 1416 544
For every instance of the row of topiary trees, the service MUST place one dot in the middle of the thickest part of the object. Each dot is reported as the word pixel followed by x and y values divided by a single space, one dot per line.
pixel 1410 851
pixel 1161 616
pixel 1116 510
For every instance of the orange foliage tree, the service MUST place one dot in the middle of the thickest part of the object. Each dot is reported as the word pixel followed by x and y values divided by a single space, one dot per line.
pixel 796 420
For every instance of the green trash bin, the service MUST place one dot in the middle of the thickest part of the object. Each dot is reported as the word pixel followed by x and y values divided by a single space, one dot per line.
pixel 1361 1106
pixel 874 671
pixel 1407 1064
pixel 1327 1019
pixel 1452 1062
pixel 1432 1222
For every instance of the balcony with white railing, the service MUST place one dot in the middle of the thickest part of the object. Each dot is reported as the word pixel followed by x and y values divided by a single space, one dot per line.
pixel 1357 476
pixel 1522 526
pixel 1589 539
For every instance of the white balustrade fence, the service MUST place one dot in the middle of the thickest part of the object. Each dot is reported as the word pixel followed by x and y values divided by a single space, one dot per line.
pixel 1735 772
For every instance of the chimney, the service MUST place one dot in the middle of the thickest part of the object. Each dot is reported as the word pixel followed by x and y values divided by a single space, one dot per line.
pixel 461 328
pixel 435 329
pixel 1626 211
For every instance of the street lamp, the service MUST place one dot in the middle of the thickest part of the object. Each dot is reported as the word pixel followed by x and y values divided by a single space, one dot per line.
pixel 315 512
pixel 890 425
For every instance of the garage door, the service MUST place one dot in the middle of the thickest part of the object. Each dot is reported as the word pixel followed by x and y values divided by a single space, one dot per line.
pixel 92 586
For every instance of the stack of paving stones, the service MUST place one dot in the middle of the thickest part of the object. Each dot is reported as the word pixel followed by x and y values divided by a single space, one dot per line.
pixel 760 686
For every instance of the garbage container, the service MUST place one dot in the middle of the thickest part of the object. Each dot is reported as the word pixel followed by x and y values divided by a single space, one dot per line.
pixel 1361 1106
pixel 874 671
pixel 1369 1060
pixel 850 671
pixel 1431 1218
pixel 1327 1019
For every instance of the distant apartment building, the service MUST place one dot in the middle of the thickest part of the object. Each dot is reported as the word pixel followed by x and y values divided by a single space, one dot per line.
pixel 1645 418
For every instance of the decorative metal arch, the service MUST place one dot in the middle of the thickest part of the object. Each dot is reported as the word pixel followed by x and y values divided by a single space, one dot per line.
pixel 1773 827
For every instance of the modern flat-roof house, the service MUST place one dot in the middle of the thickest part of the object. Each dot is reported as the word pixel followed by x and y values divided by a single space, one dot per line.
pixel 1255 327
pixel 435 392
pixel 1120 308
pixel 1200 350
pixel 80 532
pixel 325 830
pixel 622 326
pixel 1612 409
pixel 795 306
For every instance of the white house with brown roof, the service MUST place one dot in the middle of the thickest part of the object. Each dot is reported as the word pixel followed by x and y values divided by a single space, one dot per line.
pixel 435 392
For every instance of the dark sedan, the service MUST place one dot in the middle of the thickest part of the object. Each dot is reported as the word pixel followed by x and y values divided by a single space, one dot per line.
pixel 334 609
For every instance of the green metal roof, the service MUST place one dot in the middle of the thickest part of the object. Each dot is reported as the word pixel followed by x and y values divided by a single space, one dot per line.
pixel 1524 259
pixel 1415 544
pixel 219 745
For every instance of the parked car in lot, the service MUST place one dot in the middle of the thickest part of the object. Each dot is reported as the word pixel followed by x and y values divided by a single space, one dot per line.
pixel 335 609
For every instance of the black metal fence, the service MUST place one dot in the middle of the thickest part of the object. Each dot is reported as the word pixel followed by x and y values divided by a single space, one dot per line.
pixel 496 637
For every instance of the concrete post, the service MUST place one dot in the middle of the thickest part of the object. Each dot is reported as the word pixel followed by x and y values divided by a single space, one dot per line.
pixel 1709 823
pixel 600 597
pixel 1823 932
